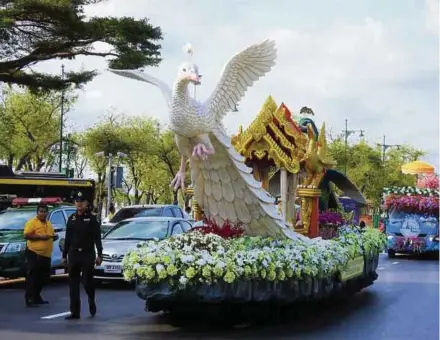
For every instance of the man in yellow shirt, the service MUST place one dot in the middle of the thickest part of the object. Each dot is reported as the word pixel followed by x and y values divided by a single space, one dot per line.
pixel 40 235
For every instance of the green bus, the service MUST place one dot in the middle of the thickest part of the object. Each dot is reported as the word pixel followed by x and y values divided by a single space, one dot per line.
pixel 41 184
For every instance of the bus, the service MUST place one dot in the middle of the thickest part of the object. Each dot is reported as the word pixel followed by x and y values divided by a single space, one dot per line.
pixel 41 184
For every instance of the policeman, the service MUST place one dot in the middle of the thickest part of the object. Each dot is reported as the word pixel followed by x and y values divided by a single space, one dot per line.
pixel 83 234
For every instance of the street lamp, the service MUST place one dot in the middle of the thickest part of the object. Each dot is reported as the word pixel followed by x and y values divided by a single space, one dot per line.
pixel 347 133
pixel 109 174
pixel 386 146
pixel 60 166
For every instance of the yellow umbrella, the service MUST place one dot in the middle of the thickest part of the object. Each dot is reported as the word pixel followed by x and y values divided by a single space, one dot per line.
pixel 417 167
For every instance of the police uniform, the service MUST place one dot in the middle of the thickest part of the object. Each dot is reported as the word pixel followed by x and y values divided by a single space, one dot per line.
pixel 83 234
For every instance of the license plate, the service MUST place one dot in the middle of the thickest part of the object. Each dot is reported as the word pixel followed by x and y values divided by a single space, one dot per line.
pixel 112 268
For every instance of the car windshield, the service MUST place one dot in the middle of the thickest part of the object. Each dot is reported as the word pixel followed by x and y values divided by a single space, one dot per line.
pixel 142 230
pixel 126 213
pixel 15 219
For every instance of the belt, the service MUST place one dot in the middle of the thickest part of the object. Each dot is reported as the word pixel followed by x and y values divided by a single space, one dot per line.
pixel 83 250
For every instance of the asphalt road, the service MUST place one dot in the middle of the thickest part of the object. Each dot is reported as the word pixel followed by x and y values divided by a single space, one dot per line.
pixel 402 304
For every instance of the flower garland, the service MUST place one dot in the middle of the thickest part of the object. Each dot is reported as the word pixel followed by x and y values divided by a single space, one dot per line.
pixel 425 192
pixel 197 257
pixel 412 204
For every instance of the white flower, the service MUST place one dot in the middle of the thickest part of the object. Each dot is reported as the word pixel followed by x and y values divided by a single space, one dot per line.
pixel 187 248
pixel 187 258
pixel 201 262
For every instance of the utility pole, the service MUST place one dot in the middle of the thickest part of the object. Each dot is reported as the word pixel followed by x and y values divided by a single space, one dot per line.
pixel 60 167
pixel 109 185
pixel 386 146
pixel 347 133
pixel 109 175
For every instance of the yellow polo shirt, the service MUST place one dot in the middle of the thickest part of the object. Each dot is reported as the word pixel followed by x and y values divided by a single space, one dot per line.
pixel 41 247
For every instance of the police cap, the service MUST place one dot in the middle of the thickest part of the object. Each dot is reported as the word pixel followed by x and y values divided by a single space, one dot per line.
pixel 79 197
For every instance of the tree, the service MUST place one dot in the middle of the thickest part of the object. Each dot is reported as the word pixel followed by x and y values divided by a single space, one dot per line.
pixel 166 151
pixel 75 155
pixel 102 137
pixel 366 169
pixel 33 31
pixel 139 136
pixel 29 128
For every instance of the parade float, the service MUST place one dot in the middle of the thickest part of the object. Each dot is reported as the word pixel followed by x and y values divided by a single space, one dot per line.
pixel 250 260
pixel 412 223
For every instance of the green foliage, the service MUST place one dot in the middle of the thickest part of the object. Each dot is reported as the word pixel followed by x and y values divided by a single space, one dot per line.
pixel 33 31
pixel 29 128
pixel 152 157
pixel 366 169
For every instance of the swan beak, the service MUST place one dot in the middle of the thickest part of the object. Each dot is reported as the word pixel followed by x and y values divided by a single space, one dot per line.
pixel 194 78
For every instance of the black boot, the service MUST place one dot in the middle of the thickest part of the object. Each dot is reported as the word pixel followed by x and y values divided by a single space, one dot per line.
pixel 30 303
pixel 92 308
pixel 40 301
pixel 72 317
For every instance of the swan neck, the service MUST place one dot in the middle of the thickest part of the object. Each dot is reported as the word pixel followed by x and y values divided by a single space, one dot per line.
pixel 181 89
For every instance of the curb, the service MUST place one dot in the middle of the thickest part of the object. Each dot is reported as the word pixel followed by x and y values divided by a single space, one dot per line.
pixel 22 279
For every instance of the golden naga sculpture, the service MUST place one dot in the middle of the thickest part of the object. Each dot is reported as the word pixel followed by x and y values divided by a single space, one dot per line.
pixel 316 159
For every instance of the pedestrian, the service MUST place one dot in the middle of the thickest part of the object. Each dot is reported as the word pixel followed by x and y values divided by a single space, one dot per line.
pixel 83 234
pixel 39 235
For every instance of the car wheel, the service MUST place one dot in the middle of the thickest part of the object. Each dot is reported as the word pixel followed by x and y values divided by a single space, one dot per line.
pixel 391 253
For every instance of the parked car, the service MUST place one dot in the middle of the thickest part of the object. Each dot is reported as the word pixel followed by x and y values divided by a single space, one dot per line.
pixel 12 242
pixel 126 235
pixel 133 211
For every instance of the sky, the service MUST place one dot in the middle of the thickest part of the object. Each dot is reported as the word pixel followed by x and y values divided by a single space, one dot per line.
pixel 372 62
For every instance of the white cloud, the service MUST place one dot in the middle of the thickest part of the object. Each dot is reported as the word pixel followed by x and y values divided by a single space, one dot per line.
pixel 432 16
pixel 368 70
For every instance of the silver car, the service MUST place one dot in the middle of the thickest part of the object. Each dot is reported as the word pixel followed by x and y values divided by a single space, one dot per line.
pixel 126 235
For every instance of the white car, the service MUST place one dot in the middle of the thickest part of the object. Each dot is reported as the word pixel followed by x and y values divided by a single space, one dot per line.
pixel 126 235
pixel 132 211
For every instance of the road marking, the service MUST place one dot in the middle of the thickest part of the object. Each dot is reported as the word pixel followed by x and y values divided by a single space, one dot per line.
pixel 381 268
pixel 395 262
pixel 53 316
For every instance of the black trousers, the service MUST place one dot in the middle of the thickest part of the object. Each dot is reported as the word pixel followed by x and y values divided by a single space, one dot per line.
pixel 37 275
pixel 80 263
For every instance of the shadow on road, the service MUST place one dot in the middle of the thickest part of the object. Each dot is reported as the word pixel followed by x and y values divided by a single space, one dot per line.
pixel 303 321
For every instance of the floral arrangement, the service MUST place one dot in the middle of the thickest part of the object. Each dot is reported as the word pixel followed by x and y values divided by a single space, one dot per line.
pixel 329 221
pixel 227 230
pixel 412 204
pixel 430 181
pixel 416 244
pixel 198 257
pixel 330 218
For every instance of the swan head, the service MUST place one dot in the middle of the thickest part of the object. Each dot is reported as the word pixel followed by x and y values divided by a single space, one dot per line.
pixel 189 72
